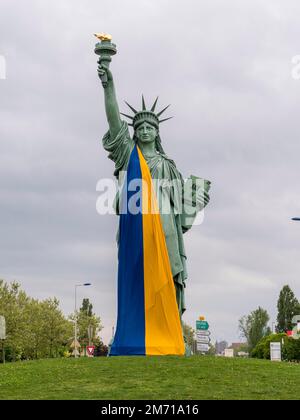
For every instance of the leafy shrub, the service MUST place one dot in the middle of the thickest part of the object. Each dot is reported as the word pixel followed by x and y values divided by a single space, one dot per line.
pixel 262 349
pixel 290 348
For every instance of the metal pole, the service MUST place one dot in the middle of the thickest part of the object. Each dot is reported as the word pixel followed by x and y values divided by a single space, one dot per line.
pixel 75 323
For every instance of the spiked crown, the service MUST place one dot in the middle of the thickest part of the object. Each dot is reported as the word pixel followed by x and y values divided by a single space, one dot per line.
pixel 145 115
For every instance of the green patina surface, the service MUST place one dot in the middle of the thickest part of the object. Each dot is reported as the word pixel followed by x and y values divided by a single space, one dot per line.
pixel 119 144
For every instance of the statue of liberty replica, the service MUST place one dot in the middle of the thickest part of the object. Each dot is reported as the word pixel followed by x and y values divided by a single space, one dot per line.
pixel 152 270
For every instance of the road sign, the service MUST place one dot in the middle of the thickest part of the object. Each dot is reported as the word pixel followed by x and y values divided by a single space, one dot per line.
pixel 205 333
pixel 202 333
pixel 202 325
pixel 2 328
pixel 90 350
pixel 202 347
pixel 203 339
pixel 275 350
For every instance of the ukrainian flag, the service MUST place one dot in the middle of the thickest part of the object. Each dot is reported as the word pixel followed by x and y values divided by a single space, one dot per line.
pixel 148 318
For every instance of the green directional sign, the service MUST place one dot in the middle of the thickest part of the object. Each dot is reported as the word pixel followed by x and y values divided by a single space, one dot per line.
pixel 202 325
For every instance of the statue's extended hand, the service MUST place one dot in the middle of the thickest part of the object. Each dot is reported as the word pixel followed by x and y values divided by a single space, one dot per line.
pixel 105 75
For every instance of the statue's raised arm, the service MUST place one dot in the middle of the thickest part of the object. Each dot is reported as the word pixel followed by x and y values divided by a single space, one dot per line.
pixel 105 50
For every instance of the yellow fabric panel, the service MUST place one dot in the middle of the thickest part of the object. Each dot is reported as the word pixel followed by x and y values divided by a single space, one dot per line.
pixel 162 322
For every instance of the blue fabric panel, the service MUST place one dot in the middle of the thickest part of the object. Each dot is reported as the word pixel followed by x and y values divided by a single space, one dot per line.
pixel 130 332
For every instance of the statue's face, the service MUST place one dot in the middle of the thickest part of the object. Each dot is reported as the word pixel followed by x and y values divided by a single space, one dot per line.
pixel 146 133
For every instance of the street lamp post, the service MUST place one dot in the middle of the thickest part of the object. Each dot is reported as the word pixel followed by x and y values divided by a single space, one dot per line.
pixel 75 323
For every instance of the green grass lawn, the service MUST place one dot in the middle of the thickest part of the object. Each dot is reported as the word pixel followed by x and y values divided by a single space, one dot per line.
pixel 150 378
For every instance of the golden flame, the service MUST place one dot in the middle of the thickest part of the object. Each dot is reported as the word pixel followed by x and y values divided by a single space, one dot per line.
pixel 103 37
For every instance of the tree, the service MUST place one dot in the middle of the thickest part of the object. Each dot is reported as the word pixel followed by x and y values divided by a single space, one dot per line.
pixel 287 307
pixel 47 330
pixel 254 327
pixel 34 328
pixel 86 318
pixel 56 330
pixel 87 307
pixel 32 348
pixel 100 348
pixel 13 304
pixel 189 334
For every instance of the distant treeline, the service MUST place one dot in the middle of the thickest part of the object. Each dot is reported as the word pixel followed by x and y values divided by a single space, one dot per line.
pixel 38 328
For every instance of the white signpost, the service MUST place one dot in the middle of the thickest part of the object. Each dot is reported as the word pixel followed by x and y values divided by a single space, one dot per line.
pixel 202 335
pixel 203 339
pixel 275 351
pixel 203 348
pixel 203 332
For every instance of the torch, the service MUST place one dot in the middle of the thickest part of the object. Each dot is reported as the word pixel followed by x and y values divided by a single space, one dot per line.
pixel 105 49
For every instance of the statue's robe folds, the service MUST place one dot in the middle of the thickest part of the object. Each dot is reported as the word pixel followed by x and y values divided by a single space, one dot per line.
pixel 174 223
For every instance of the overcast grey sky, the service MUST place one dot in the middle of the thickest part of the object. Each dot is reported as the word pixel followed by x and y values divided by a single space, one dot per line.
pixel 225 66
